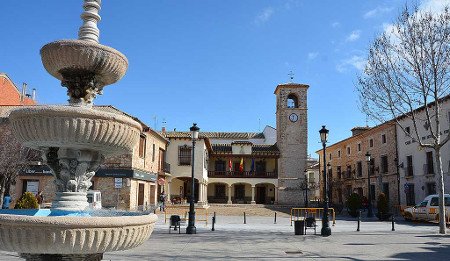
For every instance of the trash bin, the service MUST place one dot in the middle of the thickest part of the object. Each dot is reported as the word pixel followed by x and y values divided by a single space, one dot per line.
pixel 299 227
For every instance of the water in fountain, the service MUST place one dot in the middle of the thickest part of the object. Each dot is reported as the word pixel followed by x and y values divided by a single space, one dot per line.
pixel 74 140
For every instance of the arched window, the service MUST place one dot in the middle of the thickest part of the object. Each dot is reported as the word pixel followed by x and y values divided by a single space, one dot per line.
pixel 292 101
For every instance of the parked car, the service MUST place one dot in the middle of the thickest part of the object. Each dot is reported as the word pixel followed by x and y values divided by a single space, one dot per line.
pixel 428 209
pixel 95 199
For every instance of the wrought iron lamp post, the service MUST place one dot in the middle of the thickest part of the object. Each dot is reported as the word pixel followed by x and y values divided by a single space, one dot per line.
pixel 191 229
pixel 306 188
pixel 326 230
pixel 369 196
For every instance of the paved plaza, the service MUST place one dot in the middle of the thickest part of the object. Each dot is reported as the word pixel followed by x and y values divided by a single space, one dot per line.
pixel 261 239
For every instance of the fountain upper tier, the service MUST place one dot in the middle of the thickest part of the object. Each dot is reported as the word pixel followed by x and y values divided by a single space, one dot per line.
pixel 83 67
pixel 75 127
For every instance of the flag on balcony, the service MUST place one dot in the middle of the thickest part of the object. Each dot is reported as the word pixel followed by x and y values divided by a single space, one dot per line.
pixel 252 168
pixel 230 165
pixel 241 165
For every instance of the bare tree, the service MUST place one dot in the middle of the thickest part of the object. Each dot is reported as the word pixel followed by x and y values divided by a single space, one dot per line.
pixel 13 159
pixel 407 77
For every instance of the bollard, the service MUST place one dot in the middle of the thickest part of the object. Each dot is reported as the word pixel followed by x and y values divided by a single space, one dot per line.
pixel 245 220
pixel 154 211
pixel 359 220
pixel 213 221
pixel 393 222
pixel 275 220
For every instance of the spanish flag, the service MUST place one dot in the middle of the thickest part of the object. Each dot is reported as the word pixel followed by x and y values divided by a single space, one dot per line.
pixel 230 165
pixel 241 165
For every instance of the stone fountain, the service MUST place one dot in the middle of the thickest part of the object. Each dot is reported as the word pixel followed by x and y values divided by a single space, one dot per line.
pixel 75 139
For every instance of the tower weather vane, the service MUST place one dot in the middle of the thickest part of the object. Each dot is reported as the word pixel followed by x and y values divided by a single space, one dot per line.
pixel 291 76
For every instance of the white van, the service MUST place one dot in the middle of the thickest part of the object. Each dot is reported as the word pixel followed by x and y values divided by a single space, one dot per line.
pixel 428 209
pixel 95 199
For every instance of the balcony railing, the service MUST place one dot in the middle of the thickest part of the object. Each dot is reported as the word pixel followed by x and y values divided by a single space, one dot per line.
pixel 241 174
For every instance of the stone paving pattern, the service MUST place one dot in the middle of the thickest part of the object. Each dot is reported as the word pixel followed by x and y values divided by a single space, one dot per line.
pixel 261 239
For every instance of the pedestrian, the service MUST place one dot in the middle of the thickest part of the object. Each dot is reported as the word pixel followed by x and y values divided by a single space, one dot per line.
pixel 162 199
pixel 40 198
pixel 6 201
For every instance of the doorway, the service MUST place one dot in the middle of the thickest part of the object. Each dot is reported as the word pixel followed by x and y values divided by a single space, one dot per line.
pixel 141 194
pixel 260 195
pixel 239 193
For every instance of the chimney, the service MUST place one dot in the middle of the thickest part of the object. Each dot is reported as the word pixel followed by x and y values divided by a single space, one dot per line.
pixel 163 129
pixel 359 130
pixel 24 91
pixel 33 94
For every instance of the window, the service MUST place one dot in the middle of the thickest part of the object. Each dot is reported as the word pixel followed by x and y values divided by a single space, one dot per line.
pixel 339 153
pixel 371 143
pixel 434 202
pixel 431 188
pixel 330 156
pixel 384 164
pixel 184 155
pixel 348 150
pixel 359 146
pixel 409 166
pixel 292 101
pixel 371 166
pixel 386 190
pixel 153 152
pixel 261 166
pixel 349 171
pixel 383 138
pixel 339 173
pixel 142 142
pixel 220 165
pixel 429 167
pixel 408 131
pixel 359 168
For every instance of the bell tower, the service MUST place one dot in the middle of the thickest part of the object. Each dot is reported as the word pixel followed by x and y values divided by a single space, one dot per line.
pixel 292 133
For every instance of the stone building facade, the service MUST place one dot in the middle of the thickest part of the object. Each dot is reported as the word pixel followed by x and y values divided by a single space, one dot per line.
pixel 348 169
pixel 292 132
pixel 245 167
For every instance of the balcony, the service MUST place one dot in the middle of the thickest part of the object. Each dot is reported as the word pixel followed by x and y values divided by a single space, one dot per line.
pixel 241 174
pixel 165 168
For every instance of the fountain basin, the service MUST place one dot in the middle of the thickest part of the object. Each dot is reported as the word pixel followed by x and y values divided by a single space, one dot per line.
pixel 70 234
pixel 75 127
pixel 80 57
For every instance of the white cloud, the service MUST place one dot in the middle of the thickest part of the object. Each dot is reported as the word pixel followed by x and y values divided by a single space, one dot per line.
pixel 335 24
pixel 264 16
pixel 434 6
pixel 353 36
pixel 313 55
pixel 377 11
pixel 356 61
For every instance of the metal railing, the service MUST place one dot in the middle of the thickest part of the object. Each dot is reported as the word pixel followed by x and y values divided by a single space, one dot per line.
pixel 241 174
pixel 182 211
pixel 317 213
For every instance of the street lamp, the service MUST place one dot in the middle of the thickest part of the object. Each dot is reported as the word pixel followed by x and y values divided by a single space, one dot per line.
pixel 369 198
pixel 326 230
pixel 191 229
pixel 306 188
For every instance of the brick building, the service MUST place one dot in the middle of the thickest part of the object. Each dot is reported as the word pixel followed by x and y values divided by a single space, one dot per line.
pixel 348 169
pixel 10 94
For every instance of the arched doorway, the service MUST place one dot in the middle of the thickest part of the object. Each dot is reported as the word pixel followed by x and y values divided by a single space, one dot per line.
pixel 265 193
pixel 218 192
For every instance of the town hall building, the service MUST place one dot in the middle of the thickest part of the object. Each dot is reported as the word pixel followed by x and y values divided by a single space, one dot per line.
pixel 245 167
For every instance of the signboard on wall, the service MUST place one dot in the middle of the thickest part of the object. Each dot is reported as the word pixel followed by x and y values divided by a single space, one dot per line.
pixel 117 183
pixel 33 186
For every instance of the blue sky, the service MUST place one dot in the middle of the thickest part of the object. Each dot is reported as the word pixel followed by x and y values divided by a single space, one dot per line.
pixel 213 62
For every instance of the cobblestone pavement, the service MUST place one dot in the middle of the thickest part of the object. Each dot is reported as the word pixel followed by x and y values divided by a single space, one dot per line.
pixel 261 239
